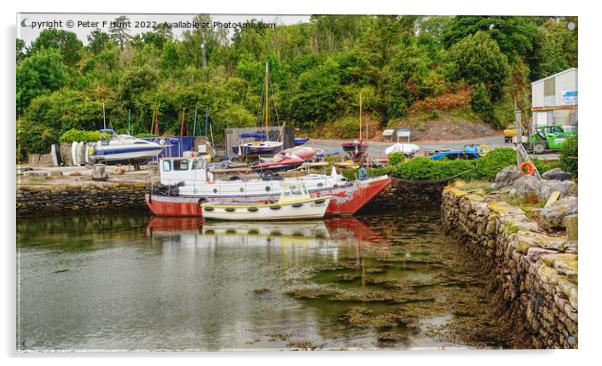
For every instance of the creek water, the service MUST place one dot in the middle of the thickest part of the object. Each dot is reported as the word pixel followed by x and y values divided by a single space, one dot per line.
pixel 130 282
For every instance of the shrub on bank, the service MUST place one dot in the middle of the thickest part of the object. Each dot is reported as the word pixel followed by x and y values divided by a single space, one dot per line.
pixel 422 168
pixel 74 135
pixel 569 155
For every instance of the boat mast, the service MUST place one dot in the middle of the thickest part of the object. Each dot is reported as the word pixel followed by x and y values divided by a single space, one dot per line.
pixel 267 104
pixel 360 116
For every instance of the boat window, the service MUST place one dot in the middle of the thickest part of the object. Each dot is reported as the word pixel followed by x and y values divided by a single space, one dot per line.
pixel 166 165
pixel 292 191
pixel 198 164
pixel 180 164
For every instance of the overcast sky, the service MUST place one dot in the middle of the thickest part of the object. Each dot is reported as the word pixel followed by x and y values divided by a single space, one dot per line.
pixel 29 25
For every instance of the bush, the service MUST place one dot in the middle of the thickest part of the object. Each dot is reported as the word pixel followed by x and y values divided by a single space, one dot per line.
pixel 489 165
pixel 396 158
pixel 74 135
pixel 569 155
pixel 545 165
pixel 348 127
pixel 422 168
pixel 33 139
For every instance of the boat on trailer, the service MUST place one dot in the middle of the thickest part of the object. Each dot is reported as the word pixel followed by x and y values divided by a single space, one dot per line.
pixel 186 183
pixel 262 145
pixel 259 146
pixel 357 148
pixel 295 203
pixel 122 147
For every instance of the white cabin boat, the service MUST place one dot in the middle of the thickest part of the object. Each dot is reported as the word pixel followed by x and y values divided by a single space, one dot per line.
pixel 295 203
pixel 193 179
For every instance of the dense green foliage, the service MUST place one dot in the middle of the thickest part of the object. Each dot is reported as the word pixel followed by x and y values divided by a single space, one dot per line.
pixel 74 135
pixel 485 168
pixel 317 71
pixel 569 155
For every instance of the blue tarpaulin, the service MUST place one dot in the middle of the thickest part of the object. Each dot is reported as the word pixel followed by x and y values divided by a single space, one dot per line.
pixel 256 135
pixel 175 145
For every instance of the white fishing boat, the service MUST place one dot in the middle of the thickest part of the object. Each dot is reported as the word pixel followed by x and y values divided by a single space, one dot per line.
pixel 295 203
pixel 123 147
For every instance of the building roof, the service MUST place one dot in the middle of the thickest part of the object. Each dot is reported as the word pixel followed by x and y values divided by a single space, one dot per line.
pixel 552 76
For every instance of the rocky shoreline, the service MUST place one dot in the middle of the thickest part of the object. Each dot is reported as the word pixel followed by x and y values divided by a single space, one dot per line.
pixel 534 270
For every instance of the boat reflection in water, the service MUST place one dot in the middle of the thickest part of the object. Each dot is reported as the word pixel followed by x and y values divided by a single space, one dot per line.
pixel 327 236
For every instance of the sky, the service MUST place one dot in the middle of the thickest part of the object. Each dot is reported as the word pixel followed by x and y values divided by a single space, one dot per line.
pixel 29 25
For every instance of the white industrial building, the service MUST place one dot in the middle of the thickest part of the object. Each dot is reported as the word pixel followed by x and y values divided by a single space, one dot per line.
pixel 554 99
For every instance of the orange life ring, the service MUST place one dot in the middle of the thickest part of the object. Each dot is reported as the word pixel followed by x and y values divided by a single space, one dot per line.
pixel 530 168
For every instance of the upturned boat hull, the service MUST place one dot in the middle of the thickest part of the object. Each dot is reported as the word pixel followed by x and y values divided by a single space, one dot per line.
pixel 347 200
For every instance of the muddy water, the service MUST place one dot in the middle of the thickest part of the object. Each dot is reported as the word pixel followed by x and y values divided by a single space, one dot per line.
pixel 139 283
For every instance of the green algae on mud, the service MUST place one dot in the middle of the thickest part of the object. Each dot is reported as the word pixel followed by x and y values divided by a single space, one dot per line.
pixel 425 285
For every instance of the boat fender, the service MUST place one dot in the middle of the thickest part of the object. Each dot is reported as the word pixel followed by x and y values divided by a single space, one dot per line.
pixel 483 150
pixel 527 168
pixel 91 150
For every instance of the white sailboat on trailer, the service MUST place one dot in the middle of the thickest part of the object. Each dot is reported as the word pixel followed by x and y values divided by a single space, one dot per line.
pixel 259 146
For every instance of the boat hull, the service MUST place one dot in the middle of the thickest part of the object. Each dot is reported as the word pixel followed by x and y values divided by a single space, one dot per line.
pixel 263 148
pixel 347 200
pixel 127 153
pixel 313 208
pixel 355 149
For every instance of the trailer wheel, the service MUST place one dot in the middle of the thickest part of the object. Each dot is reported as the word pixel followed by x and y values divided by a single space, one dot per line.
pixel 539 147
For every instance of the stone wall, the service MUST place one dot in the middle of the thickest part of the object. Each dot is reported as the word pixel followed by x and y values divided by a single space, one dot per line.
pixel 535 273
pixel 405 195
pixel 57 199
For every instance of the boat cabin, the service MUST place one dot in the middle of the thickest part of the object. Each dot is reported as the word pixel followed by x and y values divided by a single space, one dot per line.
pixel 175 170
pixel 293 191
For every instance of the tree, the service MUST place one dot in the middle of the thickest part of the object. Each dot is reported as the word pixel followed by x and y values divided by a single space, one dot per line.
pixel 514 35
pixel 40 74
pixel 315 97
pixel 382 39
pixel 98 40
pixel 554 49
pixel 477 59
pixel 66 42
pixel 203 43
pixel 135 83
pixel 21 50
pixel 119 31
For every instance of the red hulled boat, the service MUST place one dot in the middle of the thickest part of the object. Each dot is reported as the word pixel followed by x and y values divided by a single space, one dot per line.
pixel 349 199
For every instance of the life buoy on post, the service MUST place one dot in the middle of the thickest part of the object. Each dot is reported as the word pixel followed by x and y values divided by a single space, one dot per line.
pixel 483 150
pixel 527 168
